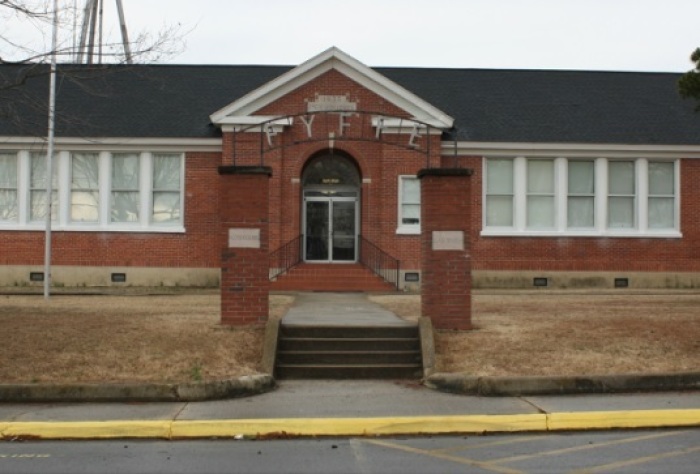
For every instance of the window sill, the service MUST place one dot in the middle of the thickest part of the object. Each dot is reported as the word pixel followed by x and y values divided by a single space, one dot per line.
pixel 666 234
pixel 408 230
pixel 94 228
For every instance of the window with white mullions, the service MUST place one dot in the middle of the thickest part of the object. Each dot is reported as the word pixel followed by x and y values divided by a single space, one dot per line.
pixel 409 204
pixel 499 193
pixel 166 189
pixel 662 195
pixel 126 200
pixel 581 195
pixel 9 203
pixel 621 195
pixel 37 188
pixel 540 194
pixel 85 194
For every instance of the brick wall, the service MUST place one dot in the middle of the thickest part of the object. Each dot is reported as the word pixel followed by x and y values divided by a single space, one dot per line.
pixel 244 271
pixel 194 248
pixel 588 254
pixel 445 209
pixel 379 163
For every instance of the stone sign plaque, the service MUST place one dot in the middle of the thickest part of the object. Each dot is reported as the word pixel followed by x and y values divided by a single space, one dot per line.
pixel 324 103
pixel 244 238
pixel 448 240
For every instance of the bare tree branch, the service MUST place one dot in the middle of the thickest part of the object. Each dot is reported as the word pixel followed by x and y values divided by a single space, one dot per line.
pixel 34 9
pixel 23 64
pixel 36 16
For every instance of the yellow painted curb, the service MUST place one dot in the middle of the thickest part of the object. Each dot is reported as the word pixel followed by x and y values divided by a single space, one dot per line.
pixel 386 426
pixel 359 426
pixel 87 429
pixel 622 419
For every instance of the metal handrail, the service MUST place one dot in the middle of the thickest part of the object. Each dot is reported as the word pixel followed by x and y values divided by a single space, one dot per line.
pixel 379 261
pixel 285 257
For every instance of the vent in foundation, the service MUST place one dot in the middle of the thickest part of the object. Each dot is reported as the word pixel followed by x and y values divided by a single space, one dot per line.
pixel 36 276
pixel 118 277
pixel 540 281
pixel 622 282
pixel 412 276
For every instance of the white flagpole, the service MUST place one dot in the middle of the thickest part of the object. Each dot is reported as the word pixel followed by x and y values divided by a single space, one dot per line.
pixel 49 153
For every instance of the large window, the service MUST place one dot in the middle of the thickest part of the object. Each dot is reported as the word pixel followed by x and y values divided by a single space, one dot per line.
pixel 662 195
pixel 540 194
pixel 9 204
pixel 499 193
pixel 621 195
pixel 580 202
pixel 409 204
pixel 166 188
pixel 85 195
pixel 125 205
pixel 37 188
pixel 581 197
pixel 93 191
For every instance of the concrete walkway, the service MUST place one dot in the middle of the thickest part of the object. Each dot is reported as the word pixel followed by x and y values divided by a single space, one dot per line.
pixel 341 309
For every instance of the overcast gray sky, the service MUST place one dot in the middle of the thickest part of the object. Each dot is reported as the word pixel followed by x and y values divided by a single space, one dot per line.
pixel 625 35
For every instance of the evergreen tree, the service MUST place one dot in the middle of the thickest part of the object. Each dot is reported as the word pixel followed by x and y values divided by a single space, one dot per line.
pixel 689 83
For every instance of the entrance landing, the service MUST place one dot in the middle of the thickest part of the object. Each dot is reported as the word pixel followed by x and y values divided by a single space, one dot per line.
pixel 339 309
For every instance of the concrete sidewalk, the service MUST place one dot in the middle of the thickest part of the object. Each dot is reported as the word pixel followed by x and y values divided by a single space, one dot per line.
pixel 347 408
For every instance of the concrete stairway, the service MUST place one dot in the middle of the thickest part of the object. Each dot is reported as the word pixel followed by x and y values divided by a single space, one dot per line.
pixel 330 277
pixel 348 352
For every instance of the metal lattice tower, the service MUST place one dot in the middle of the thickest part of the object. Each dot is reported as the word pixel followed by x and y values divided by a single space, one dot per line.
pixel 91 32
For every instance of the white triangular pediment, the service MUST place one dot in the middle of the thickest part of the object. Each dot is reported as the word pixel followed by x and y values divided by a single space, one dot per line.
pixel 240 111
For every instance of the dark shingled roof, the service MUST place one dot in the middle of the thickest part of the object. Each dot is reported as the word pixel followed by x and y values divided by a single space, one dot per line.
pixel 488 105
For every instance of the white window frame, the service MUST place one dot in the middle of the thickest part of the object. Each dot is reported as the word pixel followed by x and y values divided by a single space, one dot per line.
pixel 600 228
pixel 12 189
pixel 74 190
pixel 152 192
pixel 533 195
pixel 138 190
pixel 63 222
pixel 407 229
pixel 568 194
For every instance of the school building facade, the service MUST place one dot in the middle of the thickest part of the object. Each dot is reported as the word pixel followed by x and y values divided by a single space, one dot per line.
pixel 576 178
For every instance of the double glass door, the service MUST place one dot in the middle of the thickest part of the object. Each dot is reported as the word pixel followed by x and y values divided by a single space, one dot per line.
pixel 330 229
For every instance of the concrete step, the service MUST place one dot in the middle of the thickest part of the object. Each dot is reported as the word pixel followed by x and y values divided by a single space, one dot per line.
pixel 349 332
pixel 344 344
pixel 348 352
pixel 369 358
pixel 348 371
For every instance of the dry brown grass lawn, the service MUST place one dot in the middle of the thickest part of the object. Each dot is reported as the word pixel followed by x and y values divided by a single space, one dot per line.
pixel 537 333
pixel 178 337
pixel 171 338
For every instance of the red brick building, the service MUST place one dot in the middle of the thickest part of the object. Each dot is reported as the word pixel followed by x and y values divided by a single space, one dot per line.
pixel 579 178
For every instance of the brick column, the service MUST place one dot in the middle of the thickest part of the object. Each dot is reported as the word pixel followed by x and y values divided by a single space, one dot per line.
pixel 446 260
pixel 244 208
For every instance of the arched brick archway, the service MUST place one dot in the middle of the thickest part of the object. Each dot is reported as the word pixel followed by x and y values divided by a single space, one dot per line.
pixel 330 217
